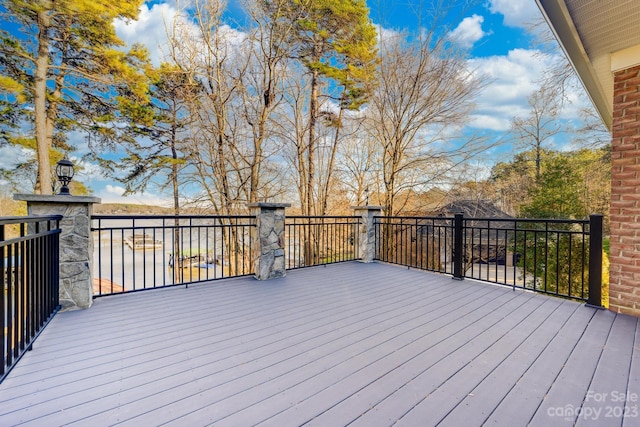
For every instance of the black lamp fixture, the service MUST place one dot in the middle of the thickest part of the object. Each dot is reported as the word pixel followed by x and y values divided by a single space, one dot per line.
pixel 65 171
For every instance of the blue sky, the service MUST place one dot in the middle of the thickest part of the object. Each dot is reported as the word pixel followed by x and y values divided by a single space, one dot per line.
pixel 494 30
pixel 492 27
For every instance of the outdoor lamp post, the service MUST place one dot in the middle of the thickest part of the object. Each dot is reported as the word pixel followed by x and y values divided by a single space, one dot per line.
pixel 65 171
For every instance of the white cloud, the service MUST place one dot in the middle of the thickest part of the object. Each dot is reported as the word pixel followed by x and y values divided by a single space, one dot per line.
pixel 156 26
pixel 88 171
pixel 512 79
pixel 492 122
pixel 114 194
pixel 150 29
pixel 468 31
pixel 517 13
pixel 114 190
pixel 13 155
pixel 385 34
pixel 233 37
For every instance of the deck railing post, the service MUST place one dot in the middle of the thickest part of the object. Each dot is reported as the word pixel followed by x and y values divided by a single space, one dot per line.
pixel 76 244
pixel 269 240
pixel 367 244
pixel 595 261
pixel 458 231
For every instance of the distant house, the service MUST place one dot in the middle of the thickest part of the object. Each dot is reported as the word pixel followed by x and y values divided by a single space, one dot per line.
pixel 426 240
pixel 481 245
pixel 472 209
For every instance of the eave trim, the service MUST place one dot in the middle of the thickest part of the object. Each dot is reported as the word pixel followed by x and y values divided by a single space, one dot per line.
pixel 557 16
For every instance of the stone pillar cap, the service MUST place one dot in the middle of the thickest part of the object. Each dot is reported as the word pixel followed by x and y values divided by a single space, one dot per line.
pixel 56 198
pixel 368 207
pixel 269 205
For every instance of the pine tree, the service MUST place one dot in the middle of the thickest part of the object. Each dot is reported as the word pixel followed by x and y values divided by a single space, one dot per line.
pixel 66 56
pixel 334 40
pixel 157 129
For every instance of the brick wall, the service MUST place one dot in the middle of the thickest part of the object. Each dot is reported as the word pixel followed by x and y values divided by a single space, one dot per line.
pixel 625 194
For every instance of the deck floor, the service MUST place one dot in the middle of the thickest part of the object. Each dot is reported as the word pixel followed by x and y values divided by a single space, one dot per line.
pixel 358 344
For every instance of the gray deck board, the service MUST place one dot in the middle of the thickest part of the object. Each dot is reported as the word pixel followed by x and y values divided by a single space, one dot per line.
pixel 480 403
pixel 633 387
pixel 360 344
pixel 439 401
pixel 525 397
pixel 403 377
pixel 232 396
pixel 373 360
pixel 491 352
pixel 610 381
pixel 572 383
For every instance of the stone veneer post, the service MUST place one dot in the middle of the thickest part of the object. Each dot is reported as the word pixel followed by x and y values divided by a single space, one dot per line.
pixel 367 231
pixel 624 285
pixel 76 243
pixel 268 241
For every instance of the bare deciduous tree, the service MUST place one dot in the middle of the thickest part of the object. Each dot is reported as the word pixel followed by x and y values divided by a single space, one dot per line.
pixel 542 123
pixel 358 164
pixel 425 93
pixel 241 74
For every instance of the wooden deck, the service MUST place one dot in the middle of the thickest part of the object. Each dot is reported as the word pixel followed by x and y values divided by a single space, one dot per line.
pixel 359 344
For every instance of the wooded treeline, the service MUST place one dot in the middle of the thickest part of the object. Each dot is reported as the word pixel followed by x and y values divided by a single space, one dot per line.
pixel 304 102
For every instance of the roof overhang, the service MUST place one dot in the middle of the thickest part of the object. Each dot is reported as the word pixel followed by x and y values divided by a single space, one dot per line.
pixel 599 38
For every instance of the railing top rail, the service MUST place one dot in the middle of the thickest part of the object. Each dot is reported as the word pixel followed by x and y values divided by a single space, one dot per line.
pixel 28 219
pixel 172 216
pixel 530 220
pixel 492 219
pixel 12 241
pixel 450 218
pixel 323 216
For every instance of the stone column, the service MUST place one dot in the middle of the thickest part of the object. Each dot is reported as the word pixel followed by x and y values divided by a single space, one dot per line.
pixel 76 243
pixel 268 241
pixel 367 231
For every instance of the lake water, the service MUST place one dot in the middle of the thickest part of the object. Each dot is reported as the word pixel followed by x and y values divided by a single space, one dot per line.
pixel 201 253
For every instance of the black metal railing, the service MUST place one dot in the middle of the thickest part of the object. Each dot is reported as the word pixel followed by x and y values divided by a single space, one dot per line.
pixel 133 253
pixel 30 280
pixel 425 243
pixel 559 257
pixel 316 240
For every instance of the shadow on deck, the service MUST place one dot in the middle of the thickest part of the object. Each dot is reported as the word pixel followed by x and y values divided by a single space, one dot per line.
pixel 367 344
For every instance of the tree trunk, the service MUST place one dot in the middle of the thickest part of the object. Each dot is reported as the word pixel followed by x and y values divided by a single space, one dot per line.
pixel 44 184
pixel 313 112
pixel 176 206
pixel 332 160
pixel 257 152
pixel 538 160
